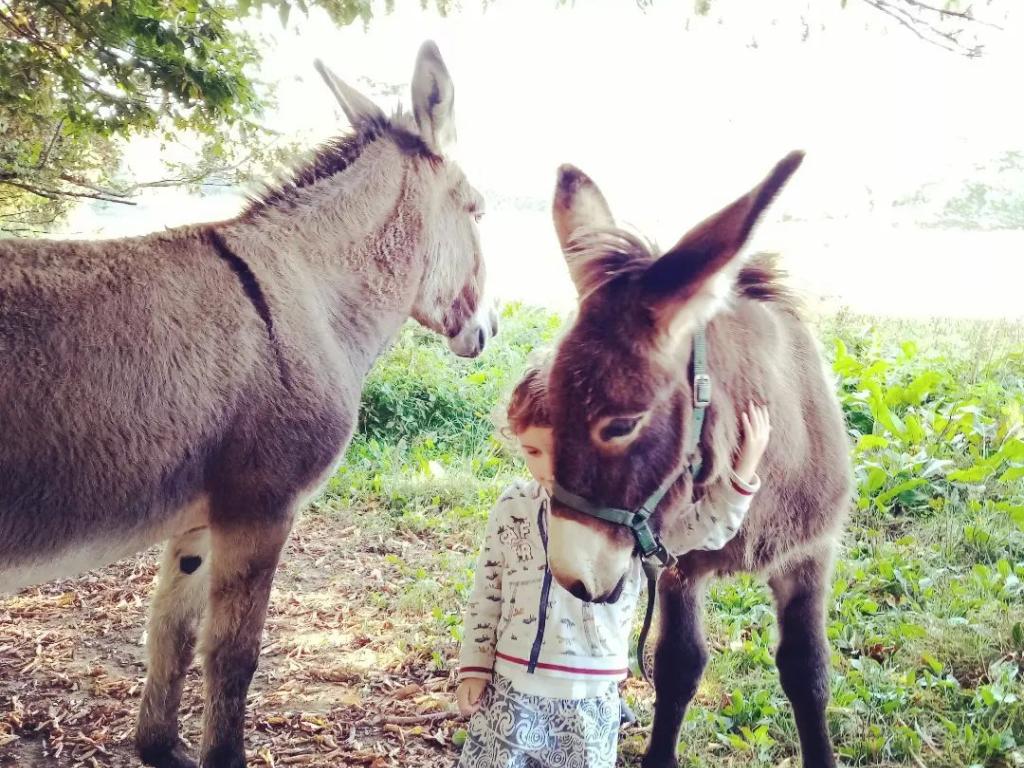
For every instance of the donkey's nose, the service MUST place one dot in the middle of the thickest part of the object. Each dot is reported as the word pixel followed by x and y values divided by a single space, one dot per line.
pixel 579 590
pixel 481 339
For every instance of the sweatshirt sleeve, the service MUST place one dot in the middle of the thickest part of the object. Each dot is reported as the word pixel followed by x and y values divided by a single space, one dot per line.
pixel 714 520
pixel 483 610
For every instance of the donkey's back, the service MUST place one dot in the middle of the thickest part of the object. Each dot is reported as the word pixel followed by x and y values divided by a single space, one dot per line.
pixel 123 363
pixel 802 505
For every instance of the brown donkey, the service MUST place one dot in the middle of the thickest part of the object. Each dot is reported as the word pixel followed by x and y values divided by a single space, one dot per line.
pixel 197 385
pixel 623 399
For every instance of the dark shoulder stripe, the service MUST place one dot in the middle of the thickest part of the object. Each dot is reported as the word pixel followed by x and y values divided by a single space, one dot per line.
pixel 254 292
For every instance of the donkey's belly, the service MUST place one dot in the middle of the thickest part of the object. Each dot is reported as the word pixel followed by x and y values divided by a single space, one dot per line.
pixel 78 557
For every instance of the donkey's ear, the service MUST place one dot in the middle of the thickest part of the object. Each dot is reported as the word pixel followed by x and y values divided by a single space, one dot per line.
pixel 578 207
pixel 433 99
pixel 359 110
pixel 688 282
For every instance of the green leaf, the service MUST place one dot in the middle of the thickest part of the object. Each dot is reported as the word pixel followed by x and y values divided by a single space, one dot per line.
pixel 738 742
pixel 921 387
pixel 867 442
pixel 934 664
pixel 875 480
pixel 974 474
pixel 896 490
pixel 1018 635
pixel 1010 450
pixel 1012 475
pixel 1014 511
pixel 915 433
pixel 868 606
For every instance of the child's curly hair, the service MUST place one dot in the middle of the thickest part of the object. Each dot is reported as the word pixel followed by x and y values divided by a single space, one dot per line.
pixel 528 404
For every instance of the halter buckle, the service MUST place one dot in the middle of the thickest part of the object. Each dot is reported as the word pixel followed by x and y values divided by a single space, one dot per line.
pixel 701 390
pixel 649 544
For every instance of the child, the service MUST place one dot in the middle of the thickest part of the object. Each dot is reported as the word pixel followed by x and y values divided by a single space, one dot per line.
pixel 540 681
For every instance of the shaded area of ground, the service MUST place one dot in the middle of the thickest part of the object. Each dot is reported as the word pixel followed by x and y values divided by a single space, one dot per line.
pixel 341 678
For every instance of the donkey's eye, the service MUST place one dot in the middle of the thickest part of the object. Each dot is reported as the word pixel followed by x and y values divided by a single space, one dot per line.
pixel 619 427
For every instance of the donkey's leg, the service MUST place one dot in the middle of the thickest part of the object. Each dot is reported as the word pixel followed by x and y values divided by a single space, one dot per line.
pixel 176 611
pixel 679 662
pixel 803 653
pixel 244 555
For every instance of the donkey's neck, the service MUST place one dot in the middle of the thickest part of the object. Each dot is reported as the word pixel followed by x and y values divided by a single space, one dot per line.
pixel 349 243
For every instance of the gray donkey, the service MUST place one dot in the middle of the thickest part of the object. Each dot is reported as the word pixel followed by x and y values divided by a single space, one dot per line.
pixel 196 386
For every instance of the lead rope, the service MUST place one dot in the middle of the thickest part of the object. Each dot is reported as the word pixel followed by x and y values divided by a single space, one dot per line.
pixel 652 572
pixel 701 401
pixel 545 591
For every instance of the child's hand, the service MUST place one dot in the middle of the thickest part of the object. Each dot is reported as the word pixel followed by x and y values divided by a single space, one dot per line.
pixel 754 441
pixel 468 694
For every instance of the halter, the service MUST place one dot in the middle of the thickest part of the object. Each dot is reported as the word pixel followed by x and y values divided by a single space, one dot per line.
pixel 638 520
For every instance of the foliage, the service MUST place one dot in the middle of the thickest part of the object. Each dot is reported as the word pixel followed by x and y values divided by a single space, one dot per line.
pixel 78 75
pixel 926 617
pixel 987 196
pixel 417 392
pixel 931 430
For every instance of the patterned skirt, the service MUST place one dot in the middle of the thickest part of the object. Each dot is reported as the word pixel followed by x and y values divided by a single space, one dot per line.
pixel 516 730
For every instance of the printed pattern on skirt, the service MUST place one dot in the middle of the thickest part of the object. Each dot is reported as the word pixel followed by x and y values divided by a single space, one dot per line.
pixel 516 730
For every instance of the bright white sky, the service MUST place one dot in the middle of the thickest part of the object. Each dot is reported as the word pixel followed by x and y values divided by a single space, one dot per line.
pixel 674 115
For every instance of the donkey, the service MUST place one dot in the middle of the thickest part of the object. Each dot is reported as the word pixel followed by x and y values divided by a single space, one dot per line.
pixel 623 404
pixel 196 386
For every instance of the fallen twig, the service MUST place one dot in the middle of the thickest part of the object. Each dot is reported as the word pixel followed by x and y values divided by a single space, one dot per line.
pixel 430 717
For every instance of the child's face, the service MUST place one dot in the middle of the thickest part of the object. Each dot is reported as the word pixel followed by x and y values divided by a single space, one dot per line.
pixel 537 445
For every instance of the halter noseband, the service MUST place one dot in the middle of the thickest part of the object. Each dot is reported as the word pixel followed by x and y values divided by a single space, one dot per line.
pixel 637 520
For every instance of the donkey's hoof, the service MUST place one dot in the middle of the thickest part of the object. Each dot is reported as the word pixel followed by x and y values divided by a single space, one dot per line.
pixel 224 757
pixel 657 761
pixel 167 754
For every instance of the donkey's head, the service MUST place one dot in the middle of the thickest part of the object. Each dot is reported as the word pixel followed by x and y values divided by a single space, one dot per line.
pixel 620 398
pixel 437 206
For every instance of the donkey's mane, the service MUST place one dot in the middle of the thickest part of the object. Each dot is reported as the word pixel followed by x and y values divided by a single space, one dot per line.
pixel 762 279
pixel 334 156
pixel 605 255
pixel 602 256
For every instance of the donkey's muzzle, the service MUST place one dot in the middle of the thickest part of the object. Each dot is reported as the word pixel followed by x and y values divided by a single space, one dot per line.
pixel 580 592
pixel 474 335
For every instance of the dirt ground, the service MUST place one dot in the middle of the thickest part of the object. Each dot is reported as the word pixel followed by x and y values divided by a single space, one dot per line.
pixel 344 678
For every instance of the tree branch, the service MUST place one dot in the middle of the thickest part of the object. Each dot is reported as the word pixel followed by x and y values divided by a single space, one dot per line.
pixel 53 141
pixel 25 212
pixel 920 26
pixel 912 19
pixel 20 231
pixel 965 15
pixel 29 188
pixel 882 6
pixel 57 194
pixel 79 182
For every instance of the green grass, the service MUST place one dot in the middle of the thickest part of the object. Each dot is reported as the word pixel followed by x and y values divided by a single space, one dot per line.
pixel 927 611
